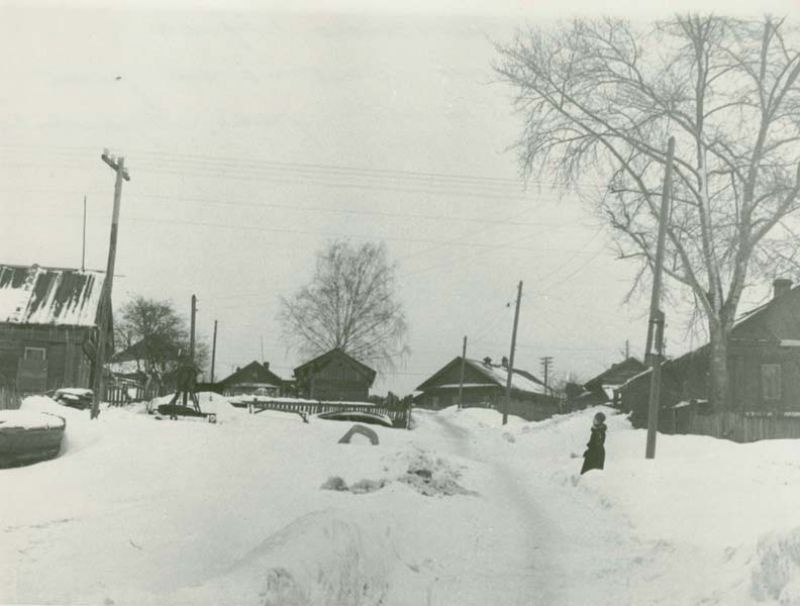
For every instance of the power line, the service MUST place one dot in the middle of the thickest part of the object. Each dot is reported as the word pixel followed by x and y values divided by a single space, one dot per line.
pixel 206 161
pixel 173 222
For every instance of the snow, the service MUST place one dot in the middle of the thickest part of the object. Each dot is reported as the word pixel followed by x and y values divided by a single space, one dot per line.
pixel 41 298
pixel 255 399
pixel 75 391
pixel 517 381
pixel 24 419
pixel 462 510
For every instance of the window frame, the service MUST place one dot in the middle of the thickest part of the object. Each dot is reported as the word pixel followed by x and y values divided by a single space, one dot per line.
pixel 31 348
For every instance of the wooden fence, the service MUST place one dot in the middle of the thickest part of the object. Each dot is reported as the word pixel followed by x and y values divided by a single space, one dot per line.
pixel 745 427
pixel 125 393
pixel 691 418
pixel 400 416
pixel 9 398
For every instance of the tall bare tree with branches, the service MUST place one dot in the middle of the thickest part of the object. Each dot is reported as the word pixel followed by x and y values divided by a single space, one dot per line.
pixel 600 99
pixel 350 304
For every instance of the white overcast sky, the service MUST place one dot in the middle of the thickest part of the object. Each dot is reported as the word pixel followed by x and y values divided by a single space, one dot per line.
pixel 230 122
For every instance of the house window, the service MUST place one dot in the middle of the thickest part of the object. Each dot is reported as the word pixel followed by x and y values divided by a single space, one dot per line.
pixel 771 382
pixel 35 353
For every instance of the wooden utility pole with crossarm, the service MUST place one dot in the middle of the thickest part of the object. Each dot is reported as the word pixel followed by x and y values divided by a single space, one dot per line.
pixel 104 312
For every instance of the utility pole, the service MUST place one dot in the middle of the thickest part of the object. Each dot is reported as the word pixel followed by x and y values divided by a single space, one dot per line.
pixel 83 239
pixel 655 328
pixel 547 361
pixel 191 335
pixel 511 357
pixel 627 348
pixel 213 351
pixel 461 380
pixel 185 394
pixel 104 313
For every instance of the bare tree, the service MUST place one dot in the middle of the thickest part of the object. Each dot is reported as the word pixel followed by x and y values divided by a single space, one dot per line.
pixel 350 304
pixel 600 99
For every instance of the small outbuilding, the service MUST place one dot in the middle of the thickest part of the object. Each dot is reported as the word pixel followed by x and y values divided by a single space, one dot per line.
pixel 49 327
pixel 254 379
pixel 334 376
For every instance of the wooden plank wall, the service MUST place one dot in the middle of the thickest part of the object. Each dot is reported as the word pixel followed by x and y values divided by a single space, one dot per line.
pixel 745 427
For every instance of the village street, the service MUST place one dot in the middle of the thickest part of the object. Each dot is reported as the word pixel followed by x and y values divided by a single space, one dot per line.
pixel 549 536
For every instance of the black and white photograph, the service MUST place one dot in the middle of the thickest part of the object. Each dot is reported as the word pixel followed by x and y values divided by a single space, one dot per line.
pixel 381 303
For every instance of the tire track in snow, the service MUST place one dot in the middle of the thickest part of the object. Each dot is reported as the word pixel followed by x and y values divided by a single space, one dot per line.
pixel 525 574
pixel 566 550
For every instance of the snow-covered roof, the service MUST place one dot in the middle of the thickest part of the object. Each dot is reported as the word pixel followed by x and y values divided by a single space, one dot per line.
pixel 500 373
pixel 41 295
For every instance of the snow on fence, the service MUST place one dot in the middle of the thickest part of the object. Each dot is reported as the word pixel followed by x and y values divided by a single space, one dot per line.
pixel 400 416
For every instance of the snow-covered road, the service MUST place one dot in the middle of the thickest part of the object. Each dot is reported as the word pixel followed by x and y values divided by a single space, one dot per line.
pixel 461 511
pixel 553 542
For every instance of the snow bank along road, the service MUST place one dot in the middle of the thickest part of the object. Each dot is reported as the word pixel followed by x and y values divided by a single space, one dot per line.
pixel 267 510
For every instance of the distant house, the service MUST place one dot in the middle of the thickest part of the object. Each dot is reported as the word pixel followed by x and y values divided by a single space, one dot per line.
pixel 764 372
pixel 49 327
pixel 255 378
pixel 484 385
pixel 604 388
pixel 130 368
pixel 334 376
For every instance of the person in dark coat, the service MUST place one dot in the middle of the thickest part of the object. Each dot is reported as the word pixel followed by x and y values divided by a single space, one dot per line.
pixel 595 455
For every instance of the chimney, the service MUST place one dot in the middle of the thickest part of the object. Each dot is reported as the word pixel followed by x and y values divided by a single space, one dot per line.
pixel 487 361
pixel 780 286
pixel 266 365
pixel 504 362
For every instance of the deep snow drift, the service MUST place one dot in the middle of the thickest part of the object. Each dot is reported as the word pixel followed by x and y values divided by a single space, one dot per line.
pixel 266 509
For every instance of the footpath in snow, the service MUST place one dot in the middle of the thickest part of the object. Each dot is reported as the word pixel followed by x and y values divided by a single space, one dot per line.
pixel 268 510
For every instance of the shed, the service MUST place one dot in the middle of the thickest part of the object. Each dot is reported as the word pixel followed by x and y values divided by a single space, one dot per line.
pixel 335 375
pixel 49 326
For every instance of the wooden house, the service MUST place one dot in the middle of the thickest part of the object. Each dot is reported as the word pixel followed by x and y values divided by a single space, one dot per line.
pixel 764 378
pixel 334 376
pixel 255 378
pixel 49 327
pixel 604 388
pixel 484 385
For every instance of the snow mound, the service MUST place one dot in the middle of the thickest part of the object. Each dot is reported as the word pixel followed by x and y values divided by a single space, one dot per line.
pixel 27 419
pixel 50 406
pixel 777 573
pixel 419 469
pixel 433 476
pixel 325 558
pixel 211 403
pixel 80 432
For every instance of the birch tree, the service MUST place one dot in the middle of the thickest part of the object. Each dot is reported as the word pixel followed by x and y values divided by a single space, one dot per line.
pixel 350 304
pixel 601 98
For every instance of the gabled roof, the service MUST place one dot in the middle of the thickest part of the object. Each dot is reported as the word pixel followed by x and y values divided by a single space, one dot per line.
pixel 142 349
pixel 618 374
pixel 493 374
pixel 41 295
pixel 323 360
pixel 255 372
